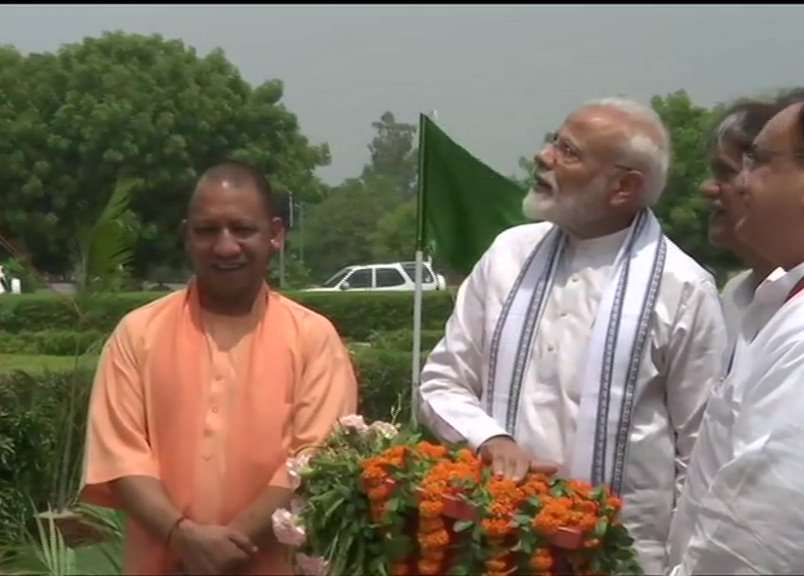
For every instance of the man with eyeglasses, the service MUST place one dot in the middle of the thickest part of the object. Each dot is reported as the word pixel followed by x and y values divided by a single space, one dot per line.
pixel 588 342
pixel 740 511
pixel 731 138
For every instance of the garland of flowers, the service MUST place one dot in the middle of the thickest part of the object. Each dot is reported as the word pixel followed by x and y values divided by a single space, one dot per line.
pixel 429 509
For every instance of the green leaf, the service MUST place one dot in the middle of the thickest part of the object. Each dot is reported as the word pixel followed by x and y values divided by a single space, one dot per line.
pixel 462 525
pixel 399 547
pixel 601 527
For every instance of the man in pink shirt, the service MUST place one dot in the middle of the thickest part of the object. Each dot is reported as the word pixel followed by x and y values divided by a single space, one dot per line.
pixel 201 396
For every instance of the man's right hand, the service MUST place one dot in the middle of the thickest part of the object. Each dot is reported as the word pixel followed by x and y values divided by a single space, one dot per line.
pixel 509 460
pixel 211 549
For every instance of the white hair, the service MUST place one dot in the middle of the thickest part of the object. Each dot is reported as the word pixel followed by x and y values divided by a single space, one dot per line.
pixel 647 146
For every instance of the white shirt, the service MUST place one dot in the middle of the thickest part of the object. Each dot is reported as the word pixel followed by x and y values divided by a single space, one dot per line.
pixel 741 509
pixel 684 357
pixel 736 296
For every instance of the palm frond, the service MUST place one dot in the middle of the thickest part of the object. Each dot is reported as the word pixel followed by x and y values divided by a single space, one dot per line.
pixel 107 245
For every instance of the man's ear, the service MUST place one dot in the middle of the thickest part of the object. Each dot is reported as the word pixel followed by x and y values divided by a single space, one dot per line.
pixel 277 233
pixel 629 189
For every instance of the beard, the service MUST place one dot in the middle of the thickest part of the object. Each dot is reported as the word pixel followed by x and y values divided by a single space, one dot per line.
pixel 569 210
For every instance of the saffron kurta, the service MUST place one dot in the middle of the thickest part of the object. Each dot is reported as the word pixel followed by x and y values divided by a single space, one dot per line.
pixel 211 406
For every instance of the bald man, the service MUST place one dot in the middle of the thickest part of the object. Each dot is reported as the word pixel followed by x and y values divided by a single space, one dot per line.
pixel 201 396
pixel 588 342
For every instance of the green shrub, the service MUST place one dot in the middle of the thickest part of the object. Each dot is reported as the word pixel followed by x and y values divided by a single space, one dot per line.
pixel 402 339
pixel 51 342
pixel 384 382
pixel 34 425
pixel 355 315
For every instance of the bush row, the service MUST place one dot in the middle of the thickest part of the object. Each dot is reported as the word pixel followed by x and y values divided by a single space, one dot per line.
pixel 51 342
pixel 72 342
pixel 356 315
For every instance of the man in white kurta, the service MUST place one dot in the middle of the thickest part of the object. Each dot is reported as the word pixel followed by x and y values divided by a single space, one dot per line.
pixel 658 413
pixel 731 138
pixel 741 509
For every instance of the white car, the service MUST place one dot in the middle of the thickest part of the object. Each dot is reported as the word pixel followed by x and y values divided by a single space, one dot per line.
pixel 382 277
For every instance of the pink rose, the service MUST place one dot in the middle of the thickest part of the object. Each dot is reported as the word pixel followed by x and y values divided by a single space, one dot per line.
pixel 295 467
pixel 288 528
pixel 354 422
pixel 312 565
pixel 384 429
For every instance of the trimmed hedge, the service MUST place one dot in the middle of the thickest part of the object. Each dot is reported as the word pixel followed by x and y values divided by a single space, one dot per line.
pixel 355 315
pixel 402 339
pixel 51 342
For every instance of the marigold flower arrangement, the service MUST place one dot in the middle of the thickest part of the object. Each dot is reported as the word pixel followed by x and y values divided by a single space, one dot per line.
pixel 378 500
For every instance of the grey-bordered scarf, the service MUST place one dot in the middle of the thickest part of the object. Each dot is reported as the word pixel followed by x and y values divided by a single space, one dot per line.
pixel 615 351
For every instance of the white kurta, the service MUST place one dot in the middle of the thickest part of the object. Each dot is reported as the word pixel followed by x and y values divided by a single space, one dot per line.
pixel 736 296
pixel 741 508
pixel 684 357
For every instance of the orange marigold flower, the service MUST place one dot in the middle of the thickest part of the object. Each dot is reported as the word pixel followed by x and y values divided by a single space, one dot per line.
pixel 541 562
pixel 587 523
pixel 581 488
pixel 587 507
pixel 546 522
pixel 466 456
pixel 438 539
pixel 431 508
pixel 534 488
pixel 496 565
pixel 427 525
pixel 428 568
pixel 373 473
pixel 433 555
pixel 380 493
pixel 497 528
pixel 432 451
pixel 614 502
pixel 501 509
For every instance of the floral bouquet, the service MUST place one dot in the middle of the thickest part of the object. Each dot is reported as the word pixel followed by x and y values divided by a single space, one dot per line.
pixel 378 500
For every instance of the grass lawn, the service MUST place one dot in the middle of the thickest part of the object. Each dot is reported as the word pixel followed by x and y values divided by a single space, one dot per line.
pixel 39 363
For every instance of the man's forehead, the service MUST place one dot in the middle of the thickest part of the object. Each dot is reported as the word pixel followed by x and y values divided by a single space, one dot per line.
pixel 219 194
pixel 783 127
pixel 596 127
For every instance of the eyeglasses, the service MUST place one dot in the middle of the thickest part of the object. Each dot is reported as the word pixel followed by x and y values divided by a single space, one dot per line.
pixel 568 154
pixel 756 157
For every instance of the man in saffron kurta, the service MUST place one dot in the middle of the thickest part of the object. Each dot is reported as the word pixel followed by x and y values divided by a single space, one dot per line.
pixel 201 396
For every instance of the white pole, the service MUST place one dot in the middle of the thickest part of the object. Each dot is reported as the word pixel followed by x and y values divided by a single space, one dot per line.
pixel 417 336
pixel 417 317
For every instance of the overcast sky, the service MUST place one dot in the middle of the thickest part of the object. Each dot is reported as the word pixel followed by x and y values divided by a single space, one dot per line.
pixel 499 76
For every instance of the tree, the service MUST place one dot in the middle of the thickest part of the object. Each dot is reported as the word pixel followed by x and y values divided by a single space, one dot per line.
pixel 395 236
pixel 393 154
pixel 136 107
pixel 338 230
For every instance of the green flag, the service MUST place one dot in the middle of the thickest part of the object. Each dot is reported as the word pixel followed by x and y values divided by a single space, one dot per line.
pixel 463 204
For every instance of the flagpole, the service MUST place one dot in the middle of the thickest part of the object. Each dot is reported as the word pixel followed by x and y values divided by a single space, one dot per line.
pixel 415 377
